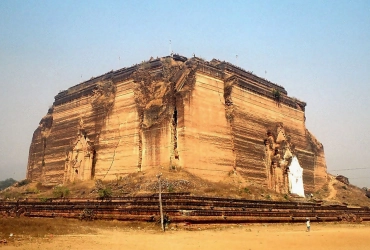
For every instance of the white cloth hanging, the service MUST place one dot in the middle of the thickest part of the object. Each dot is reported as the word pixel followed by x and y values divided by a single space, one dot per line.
pixel 295 177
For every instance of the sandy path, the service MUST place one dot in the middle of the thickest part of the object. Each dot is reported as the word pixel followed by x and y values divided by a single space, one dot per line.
pixel 322 236
pixel 332 190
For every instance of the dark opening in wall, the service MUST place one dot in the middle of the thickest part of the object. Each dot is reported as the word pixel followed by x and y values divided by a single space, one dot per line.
pixel 93 165
pixel 43 151
pixel 174 123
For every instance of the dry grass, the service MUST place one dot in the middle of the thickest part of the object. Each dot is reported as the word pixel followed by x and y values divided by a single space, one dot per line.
pixel 352 195
pixel 336 192
pixel 173 180
pixel 179 180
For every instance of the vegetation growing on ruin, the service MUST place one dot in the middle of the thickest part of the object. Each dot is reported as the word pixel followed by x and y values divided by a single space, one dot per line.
pixel 23 182
pixel 229 107
pixel 61 192
pixel 277 96
pixel 105 193
pixel 230 112
pixel 103 96
pixel 178 181
pixel 153 95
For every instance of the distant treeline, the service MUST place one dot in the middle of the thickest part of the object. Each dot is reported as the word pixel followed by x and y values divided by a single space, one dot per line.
pixel 7 183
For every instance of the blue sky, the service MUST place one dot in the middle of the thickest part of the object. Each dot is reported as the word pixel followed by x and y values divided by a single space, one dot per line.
pixel 318 50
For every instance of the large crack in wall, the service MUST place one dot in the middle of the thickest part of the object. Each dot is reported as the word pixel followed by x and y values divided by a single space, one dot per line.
pixel 115 149
pixel 174 133
pixel 46 124
pixel 156 94
pixel 229 113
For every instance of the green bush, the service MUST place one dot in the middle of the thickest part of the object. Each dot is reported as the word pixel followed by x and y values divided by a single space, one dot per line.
pixel 23 182
pixel 60 192
pixel 11 195
pixel 276 95
pixel 44 199
pixel 105 193
pixel 171 188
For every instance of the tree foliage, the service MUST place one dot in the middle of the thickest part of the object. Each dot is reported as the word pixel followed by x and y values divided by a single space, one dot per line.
pixel 7 183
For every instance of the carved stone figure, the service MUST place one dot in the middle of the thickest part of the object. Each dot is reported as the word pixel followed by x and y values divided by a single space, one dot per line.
pixel 79 162
pixel 278 155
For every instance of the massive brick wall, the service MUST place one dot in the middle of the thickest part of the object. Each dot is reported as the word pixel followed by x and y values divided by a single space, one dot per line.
pixel 207 147
pixel 210 118
pixel 254 116
pixel 117 140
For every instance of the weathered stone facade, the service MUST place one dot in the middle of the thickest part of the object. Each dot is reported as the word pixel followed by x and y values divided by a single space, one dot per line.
pixel 210 118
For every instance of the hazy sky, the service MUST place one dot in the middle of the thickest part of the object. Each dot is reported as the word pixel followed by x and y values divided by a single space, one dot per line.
pixel 318 50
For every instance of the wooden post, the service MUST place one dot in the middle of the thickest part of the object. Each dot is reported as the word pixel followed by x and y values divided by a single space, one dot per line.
pixel 160 200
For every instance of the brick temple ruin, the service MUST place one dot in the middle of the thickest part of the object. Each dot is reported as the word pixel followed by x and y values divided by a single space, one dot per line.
pixel 209 118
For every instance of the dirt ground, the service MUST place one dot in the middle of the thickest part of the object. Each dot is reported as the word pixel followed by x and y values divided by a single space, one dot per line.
pixel 266 236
